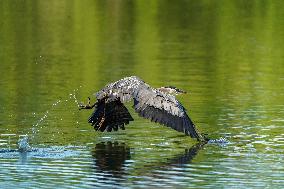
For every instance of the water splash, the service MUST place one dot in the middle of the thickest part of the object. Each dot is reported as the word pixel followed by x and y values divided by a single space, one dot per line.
pixel 220 141
pixel 23 144
pixel 74 96
pixel 35 128
pixel 23 141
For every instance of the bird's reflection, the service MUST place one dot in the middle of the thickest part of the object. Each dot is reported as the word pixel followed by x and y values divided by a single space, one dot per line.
pixel 110 157
pixel 161 169
pixel 187 156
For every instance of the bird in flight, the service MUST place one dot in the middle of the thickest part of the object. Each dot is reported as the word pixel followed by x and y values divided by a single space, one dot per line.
pixel 157 104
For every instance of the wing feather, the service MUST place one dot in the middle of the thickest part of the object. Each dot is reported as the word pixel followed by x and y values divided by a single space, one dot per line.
pixel 122 89
pixel 111 115
pixel 164 109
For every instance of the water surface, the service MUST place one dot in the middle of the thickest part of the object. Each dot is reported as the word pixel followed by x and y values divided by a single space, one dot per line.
pixel 227 54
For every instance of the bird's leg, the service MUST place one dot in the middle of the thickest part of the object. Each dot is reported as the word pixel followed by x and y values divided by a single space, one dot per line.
pixel 86 106
pixel 101 123
pixel 103 118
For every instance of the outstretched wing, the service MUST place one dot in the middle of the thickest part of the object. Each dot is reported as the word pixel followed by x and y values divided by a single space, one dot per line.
pixel 148 103
pixel 164 109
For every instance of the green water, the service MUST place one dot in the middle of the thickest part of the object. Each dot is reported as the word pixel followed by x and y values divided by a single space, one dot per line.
pixel 227 54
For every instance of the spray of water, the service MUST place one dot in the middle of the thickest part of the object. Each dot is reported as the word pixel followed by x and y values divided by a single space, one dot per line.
pixel 35 129
pixel 23 142
pixel 220 141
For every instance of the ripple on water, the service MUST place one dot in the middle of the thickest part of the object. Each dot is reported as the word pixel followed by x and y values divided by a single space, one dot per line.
pixel 52 152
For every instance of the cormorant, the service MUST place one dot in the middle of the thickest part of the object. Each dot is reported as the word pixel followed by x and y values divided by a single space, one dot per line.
pixel 158 105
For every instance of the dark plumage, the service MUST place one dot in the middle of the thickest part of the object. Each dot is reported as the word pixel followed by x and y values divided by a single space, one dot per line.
pixel 110 116
pixel 157 105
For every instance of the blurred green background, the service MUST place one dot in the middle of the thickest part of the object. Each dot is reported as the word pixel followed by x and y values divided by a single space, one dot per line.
pixel 227 54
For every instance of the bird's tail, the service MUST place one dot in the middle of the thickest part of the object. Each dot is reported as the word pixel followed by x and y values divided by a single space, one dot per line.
pixel 110 116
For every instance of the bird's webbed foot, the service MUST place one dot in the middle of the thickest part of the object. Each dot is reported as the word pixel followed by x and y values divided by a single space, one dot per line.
pixel 86 106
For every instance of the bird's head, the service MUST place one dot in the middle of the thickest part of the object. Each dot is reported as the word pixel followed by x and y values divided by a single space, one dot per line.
pixel 171 90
